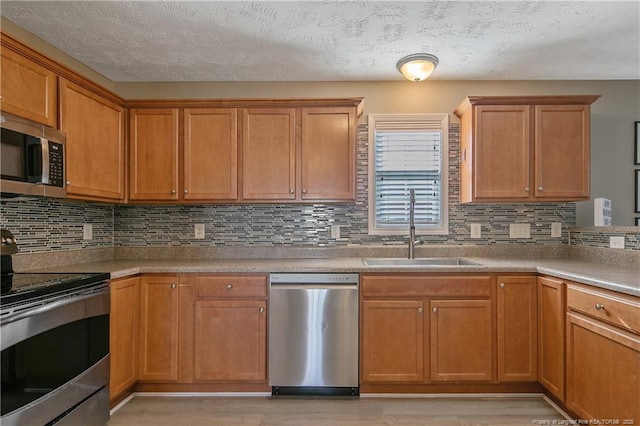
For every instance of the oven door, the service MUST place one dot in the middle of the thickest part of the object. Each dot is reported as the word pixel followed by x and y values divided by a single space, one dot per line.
pixel 55 361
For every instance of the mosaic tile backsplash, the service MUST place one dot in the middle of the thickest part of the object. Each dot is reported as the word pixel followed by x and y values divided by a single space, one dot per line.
pixel 48 224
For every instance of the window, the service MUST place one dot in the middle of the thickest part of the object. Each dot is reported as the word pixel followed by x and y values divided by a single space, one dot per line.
pixel 408 151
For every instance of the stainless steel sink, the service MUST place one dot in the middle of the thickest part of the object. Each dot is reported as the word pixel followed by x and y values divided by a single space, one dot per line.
pixel 433 261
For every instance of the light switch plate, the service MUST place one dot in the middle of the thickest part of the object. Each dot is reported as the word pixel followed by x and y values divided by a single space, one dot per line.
pixel 519 230
pixel 87 231
pixel 476 230
pixel 335 231
pixel 199 231
pixel 556 230
pixel 616 242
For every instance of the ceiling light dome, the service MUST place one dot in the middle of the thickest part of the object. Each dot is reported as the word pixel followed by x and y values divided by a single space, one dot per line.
pixel 418 66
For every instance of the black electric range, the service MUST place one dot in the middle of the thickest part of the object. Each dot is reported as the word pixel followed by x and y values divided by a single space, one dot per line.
pixel 37 288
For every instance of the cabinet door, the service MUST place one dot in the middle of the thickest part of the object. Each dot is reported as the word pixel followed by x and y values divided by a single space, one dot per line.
pixel 158 358
pixel 461 340
pixel 230 340
pixel 551 302
pixel 123 334
pixel 153 171
pixel 392 338
pixel 210 154
pixel 94 129
pixel 268 154
pixel 562 151
pixel 27 89
pixel 328 154
pixel 502 152
pixel 603 371
pixel 517 329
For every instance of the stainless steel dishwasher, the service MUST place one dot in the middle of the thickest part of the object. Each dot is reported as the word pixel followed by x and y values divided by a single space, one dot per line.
pixel 313 334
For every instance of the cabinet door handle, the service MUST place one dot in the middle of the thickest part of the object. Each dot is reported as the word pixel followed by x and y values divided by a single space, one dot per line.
pixel 261 309
pixel 173 286
pixel 501 285
pixel 229 286
pixel 186 191
pixel 291 191
pixel 420 310
pixel 434 309
pixel 304 191
pixel 463 155
pixel 173 191
pixel 599 307
pixel 68 182
pixel 527 189
pixel 540 189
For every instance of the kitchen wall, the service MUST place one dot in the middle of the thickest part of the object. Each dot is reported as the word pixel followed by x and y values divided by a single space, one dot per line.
pixel 44 224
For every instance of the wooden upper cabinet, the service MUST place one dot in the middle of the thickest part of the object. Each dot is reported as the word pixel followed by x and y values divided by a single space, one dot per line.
pixel 27 89
pixel 210 166
pixel 153 171
pixel 533 148
pixel 95 143
pixel 328 151
pixel 562 141
pixel 268 154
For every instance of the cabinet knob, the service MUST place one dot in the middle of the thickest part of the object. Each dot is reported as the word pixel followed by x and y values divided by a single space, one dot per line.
pixel 173 286
pixel 501 285
pixel 261 309
pixel 186 191
pixel 420 310
pixel 229 286
pixel 540 188
pixel 291 191
pixel 68 182
pixel 527 189
pixel 599 307
pixel 173 191
pixel 434 309
pixel 304 191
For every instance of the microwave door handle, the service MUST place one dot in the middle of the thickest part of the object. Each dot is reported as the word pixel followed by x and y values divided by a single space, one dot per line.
pixel 44 143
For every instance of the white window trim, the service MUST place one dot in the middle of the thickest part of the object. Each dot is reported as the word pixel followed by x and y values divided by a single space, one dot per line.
pixel 443 118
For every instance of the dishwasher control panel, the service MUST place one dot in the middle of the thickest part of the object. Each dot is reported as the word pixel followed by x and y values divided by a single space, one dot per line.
pixel 314 278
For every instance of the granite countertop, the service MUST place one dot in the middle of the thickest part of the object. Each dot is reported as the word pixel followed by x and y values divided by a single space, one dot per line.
pixel 618 278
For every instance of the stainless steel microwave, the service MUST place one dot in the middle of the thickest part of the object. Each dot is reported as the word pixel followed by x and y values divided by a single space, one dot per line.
pixel 32 158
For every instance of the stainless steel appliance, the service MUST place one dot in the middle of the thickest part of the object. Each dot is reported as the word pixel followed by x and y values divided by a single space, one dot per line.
pixel 54 337
pixel 32 157
pixel 313 334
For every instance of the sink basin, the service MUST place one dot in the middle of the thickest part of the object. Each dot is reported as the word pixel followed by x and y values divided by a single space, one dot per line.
pixel 433 261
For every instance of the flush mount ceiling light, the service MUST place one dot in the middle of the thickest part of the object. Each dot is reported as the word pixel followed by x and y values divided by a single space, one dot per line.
pixel 418 66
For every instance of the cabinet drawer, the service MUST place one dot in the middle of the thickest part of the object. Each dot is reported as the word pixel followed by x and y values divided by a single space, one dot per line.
pixel 617 309
pixel 231 286
pixel 421 285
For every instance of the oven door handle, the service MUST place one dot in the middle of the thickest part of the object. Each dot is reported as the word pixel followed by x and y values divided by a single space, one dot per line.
pixel 23 325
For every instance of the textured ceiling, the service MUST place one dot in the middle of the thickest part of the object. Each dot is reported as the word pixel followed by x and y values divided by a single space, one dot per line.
pixel 339 40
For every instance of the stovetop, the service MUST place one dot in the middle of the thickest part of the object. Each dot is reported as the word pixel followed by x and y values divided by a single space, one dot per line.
pixel 25 287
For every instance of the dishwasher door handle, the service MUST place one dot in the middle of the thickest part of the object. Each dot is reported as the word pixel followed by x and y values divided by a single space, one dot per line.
pixel 287 286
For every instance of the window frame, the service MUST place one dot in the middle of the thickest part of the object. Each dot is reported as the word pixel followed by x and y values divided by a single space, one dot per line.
pixel 443 120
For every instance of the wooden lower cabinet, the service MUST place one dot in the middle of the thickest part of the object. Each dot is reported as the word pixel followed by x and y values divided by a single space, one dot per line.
pixel 551 343
pixel 123 334
pixel 603 371
pixel 158 358
pixel 517 328
pixel 392 341
pixel 426 329
pixel 461 340
pixel 230 340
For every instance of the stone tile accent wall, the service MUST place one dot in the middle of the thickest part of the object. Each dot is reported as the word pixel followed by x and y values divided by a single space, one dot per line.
pixel 47 224
pixel 599 237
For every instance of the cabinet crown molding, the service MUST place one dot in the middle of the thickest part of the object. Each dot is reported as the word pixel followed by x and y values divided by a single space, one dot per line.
pixel 524 100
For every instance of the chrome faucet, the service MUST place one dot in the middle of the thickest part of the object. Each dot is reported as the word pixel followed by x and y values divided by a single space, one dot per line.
pixel 412 224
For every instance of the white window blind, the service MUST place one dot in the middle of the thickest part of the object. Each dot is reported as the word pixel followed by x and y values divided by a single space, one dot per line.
pixel 407 151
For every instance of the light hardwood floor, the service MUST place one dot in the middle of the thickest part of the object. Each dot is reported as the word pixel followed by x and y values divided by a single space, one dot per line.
pixel 441 411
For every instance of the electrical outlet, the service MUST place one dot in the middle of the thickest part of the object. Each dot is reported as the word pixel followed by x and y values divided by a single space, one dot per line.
pixel 476 230
pixel 556 230
pixel 519 230
pixel 87 231
pixel 335 231
pixel 199 231
pixel 616 242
